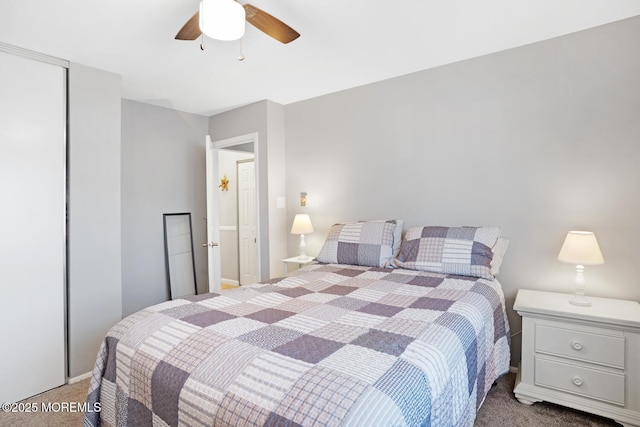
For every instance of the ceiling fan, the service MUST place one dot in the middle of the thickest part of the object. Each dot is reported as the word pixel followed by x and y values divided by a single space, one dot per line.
pixel 224 20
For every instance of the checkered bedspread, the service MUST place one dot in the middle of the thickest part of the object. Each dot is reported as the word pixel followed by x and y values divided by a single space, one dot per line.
pixel 329 345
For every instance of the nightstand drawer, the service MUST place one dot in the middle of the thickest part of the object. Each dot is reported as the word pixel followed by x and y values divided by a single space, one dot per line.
pixel 592 383
pixel 580 345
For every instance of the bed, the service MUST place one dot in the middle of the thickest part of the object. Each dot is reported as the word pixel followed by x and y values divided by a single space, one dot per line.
pixel 337 343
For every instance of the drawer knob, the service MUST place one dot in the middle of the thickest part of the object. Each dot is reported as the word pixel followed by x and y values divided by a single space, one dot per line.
pixel 577 380
pixel 577 345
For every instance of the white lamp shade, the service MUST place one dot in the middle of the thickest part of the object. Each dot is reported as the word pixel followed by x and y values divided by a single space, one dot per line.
pixel 581 248
pixel 222 19
pixel 302 224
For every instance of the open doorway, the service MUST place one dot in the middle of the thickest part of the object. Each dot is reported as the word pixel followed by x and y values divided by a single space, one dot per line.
pixel 227 236
pixel 237 216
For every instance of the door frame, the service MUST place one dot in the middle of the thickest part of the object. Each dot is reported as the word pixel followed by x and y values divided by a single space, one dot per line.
pixel 213 202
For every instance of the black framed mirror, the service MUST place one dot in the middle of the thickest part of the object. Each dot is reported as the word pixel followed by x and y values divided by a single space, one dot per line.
pixel 178 250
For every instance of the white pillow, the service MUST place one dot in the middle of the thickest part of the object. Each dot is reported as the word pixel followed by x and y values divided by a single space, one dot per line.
pixel 498 253
pixel 397 237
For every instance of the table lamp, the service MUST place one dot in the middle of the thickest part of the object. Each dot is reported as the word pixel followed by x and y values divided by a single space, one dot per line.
pixel 302 225
pixel 580 248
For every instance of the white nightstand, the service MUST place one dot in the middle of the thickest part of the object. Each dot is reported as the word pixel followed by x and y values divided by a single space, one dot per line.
pixel 587 358
pixel 296 260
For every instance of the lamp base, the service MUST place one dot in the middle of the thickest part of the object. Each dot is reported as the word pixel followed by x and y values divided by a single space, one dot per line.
pixel 580 300
pixel 303 247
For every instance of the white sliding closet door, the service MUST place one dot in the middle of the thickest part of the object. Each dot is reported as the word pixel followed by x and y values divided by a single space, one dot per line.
pixel 32 226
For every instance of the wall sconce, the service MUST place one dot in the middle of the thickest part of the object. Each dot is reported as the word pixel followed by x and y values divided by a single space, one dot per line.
pixel 303 198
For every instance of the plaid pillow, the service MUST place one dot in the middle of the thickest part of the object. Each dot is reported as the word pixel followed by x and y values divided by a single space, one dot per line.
pixel 367 243
pixel 463 251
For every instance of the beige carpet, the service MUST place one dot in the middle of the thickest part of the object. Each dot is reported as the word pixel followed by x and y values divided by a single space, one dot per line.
pixel 499 409
pixel 76 393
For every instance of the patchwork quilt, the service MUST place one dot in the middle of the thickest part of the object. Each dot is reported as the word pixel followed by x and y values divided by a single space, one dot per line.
pixel 328 345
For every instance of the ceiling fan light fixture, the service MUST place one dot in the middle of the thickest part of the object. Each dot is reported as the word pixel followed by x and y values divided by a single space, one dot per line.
pixel 222 19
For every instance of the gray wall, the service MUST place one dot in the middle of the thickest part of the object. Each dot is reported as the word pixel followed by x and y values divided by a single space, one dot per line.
pixel 94 267
pixel 537 140
pixel 267 119
pixel 163 171
pixel 278 225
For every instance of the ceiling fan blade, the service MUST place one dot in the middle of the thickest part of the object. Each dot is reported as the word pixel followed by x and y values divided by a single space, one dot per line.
pixel 270 25
pixel 191 29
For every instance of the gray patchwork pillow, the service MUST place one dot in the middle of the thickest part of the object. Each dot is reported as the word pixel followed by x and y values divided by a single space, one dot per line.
pixel 463 251
pixel 366 243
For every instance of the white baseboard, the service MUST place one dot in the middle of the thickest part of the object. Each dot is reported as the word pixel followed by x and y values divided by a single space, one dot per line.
pixel 79 378
pixel 230 281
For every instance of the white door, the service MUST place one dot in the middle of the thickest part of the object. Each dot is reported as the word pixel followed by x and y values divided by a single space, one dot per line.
pixel 213 218
pixel 32 227
pixel 213 213
pixel 247 221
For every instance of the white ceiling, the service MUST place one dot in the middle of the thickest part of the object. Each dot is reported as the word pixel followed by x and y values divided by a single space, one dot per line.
pixel 343 43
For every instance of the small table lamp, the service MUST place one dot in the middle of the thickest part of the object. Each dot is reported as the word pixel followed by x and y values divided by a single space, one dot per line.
pixel 302 225
pixel 580 248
